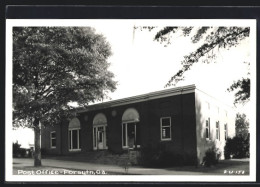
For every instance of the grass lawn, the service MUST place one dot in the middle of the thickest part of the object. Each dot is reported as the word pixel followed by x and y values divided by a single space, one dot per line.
pixel 224 167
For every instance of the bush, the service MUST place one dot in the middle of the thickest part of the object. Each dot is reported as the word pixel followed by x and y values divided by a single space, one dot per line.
pixel 237 146
pixel 160 156
pixel 16 148
pixel 20 152
pixel 211 157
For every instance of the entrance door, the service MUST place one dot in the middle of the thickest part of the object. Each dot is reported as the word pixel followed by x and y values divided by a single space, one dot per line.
pixel 99 137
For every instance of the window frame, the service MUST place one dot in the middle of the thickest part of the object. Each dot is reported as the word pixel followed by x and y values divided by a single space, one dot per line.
pixel 170 127
pixel 225 131
pixel 124 128
pixel 95 136
pixel 207 127
pixel 217 130
pixel 70 137
pixel 52 138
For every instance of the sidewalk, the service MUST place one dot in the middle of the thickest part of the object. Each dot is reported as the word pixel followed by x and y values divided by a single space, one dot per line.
pixel 27 163
pixel 22 163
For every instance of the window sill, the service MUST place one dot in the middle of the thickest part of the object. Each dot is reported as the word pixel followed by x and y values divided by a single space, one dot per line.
pixel 74 150
pixel 95 149
pixel 53 147
pixel 165 140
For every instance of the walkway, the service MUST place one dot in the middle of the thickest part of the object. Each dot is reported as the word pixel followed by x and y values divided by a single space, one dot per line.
pixel 23 163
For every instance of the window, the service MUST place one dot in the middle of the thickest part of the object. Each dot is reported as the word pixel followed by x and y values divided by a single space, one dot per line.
pixel 208 128
pixel 74 139
pixel 166 128
pixel 225 131
pixel 131 135
pixel 53 139
pixel 217 131
pixel 130 129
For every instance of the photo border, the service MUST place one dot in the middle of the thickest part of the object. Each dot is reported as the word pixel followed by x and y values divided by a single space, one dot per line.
pixel 23 12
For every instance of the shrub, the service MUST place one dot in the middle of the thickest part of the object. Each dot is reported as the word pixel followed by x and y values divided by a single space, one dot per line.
pixel 237 146
pixel 160 156
pixel 20 152
pixel 211 157
pixel 16 148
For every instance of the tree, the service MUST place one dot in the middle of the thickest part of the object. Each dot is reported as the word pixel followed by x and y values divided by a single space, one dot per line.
pixel 54 67
pixel 213 38
pixel 242 125
pixel 238 146
pixel 242 87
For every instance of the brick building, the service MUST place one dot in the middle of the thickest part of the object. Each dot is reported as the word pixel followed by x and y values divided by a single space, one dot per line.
pixel 184 121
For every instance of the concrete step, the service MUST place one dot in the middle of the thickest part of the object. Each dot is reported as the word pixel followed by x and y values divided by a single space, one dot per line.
pixel 106 157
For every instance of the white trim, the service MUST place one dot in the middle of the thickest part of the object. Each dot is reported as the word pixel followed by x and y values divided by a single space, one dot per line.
pixel 225 131
pixel 51 138
pixel 126 139
pixel 78 138
pixel 95 137
pixel 135 136
pixel 71 150
pixel 207 138
pixel 126 136
pixel 165 139
pixel 71 139
pixel 94 141
pixel 218 128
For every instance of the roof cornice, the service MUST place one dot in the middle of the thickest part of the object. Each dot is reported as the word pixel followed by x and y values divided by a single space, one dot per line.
pixel 141 98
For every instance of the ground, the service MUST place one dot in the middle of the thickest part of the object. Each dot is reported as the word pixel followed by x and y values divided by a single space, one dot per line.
pixel 24 166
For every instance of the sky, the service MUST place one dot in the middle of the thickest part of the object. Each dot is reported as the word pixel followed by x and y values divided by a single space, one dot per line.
pixel 142 65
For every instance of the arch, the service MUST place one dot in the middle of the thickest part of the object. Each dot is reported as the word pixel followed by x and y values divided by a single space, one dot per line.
pixel 130 115
pixel 100 119
pixel 74 123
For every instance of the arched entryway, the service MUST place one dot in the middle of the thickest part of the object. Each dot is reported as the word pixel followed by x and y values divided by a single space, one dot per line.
pixel 74 135
pixel 130 129
pixel 99 132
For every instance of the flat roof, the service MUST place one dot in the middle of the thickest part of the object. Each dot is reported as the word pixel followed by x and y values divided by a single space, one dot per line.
pixel 143 97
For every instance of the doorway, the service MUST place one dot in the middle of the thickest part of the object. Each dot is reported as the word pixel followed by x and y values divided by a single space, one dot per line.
pixel 99 137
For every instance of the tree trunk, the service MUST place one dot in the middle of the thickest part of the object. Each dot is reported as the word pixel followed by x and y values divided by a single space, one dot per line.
pixel 37 143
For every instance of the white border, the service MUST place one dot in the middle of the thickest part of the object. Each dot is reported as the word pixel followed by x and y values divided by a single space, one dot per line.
pixel 92 22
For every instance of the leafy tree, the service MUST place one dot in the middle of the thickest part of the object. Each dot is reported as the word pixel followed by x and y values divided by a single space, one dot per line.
pixel 212 38
pixel 242 125
pixel 242 87
pixel 238 146
pixel 54 67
